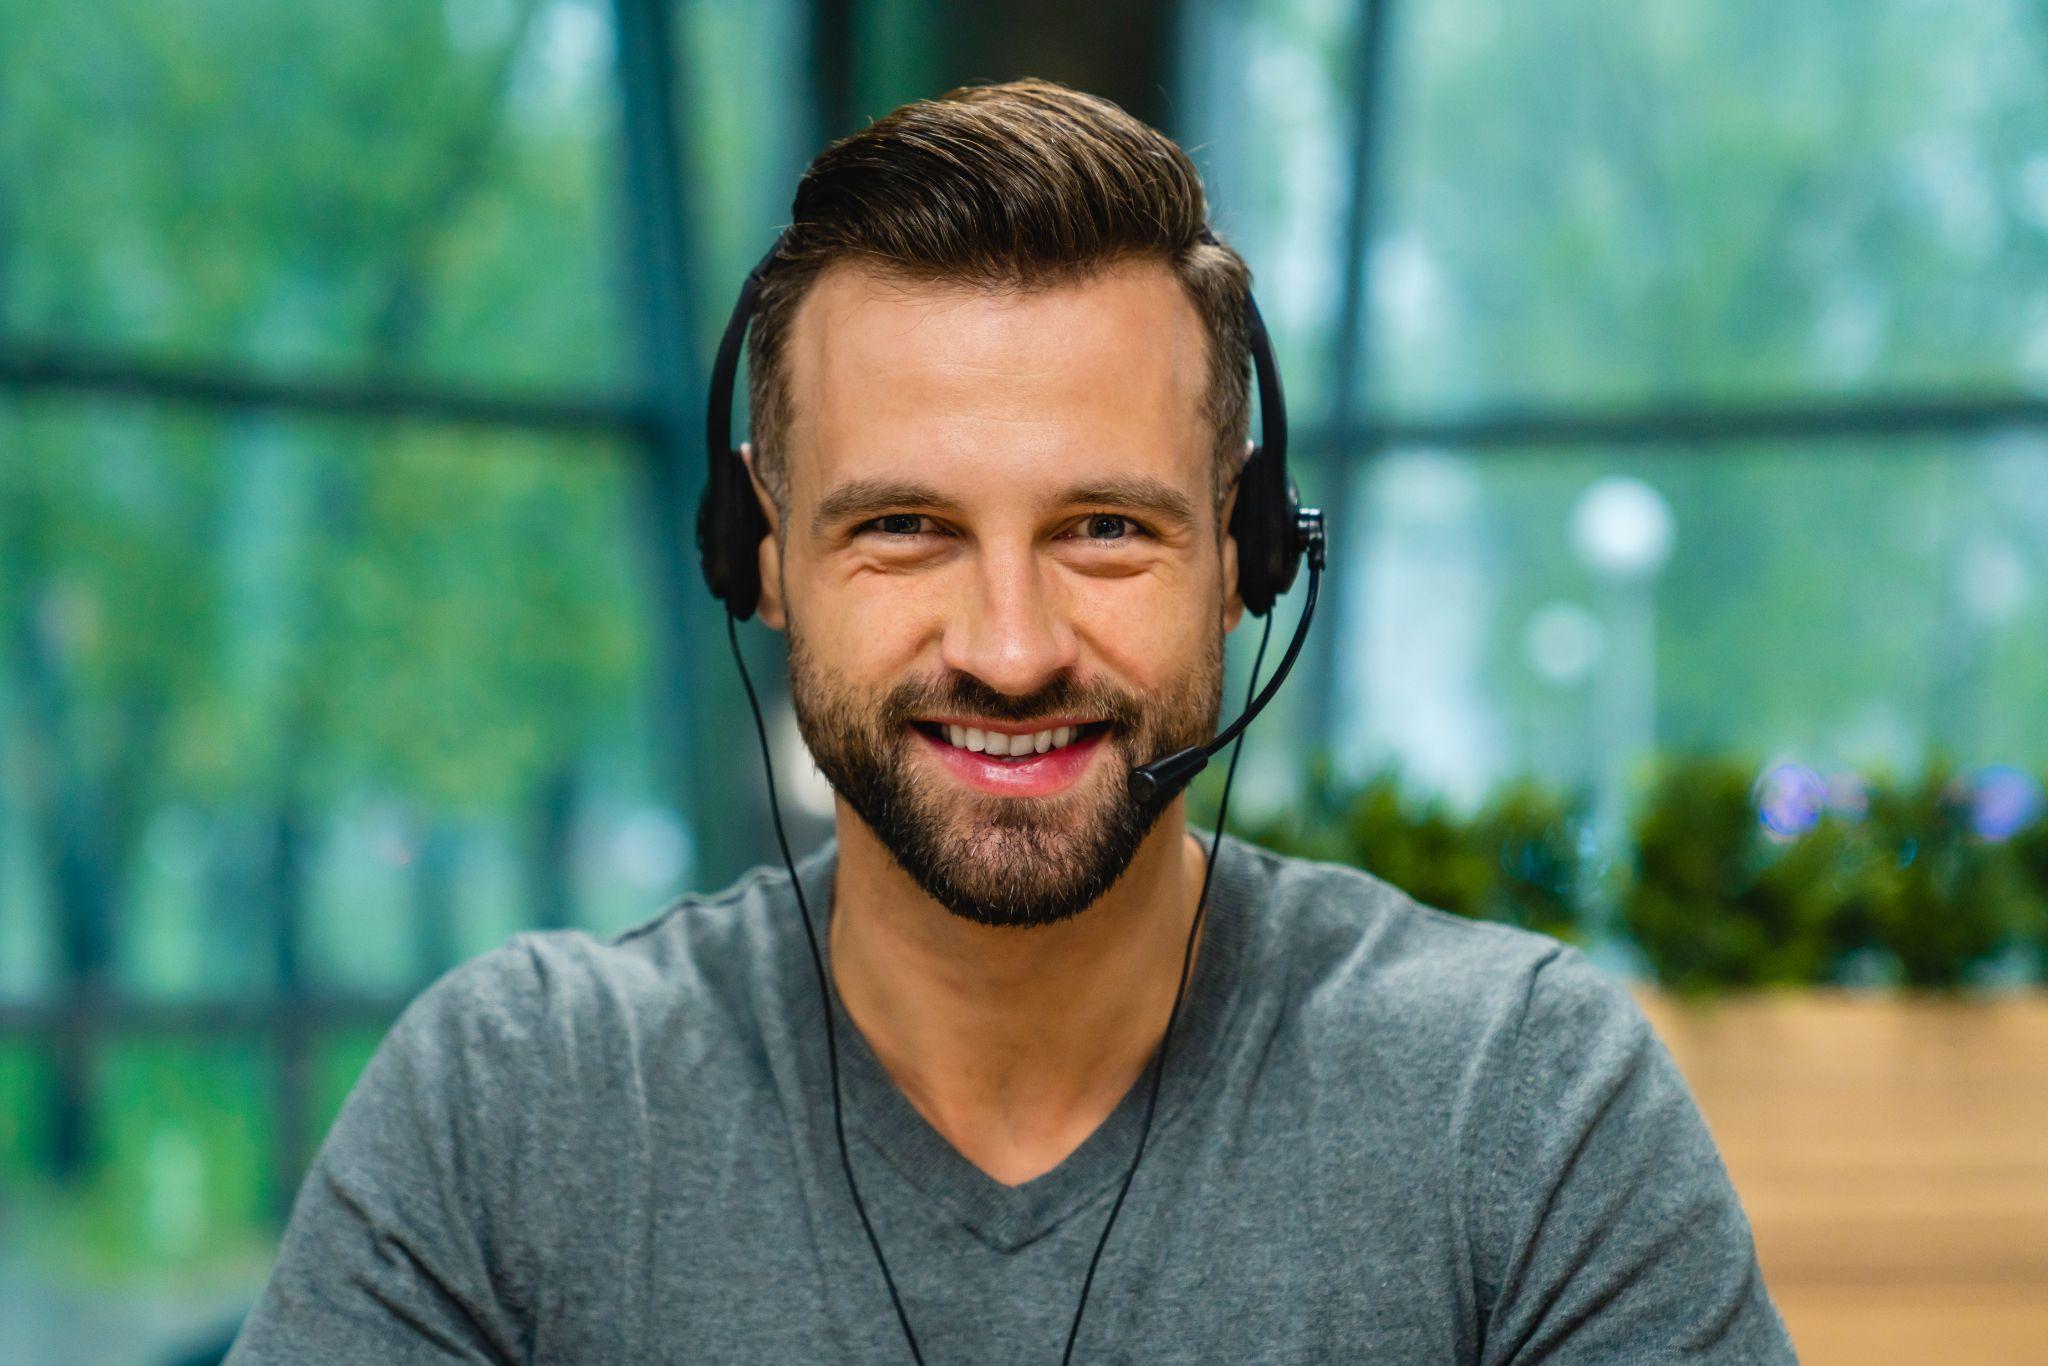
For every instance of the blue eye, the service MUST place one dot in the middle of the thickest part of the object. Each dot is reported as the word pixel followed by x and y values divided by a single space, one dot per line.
pixel 1113 523
pixel 896 523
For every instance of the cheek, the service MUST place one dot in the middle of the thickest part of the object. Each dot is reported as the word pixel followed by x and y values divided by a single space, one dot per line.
pixel 1148 645
pixel 868 637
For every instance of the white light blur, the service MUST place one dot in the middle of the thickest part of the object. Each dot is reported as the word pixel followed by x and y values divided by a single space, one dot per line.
pixel 1564 641
pixel 650 849
pixel 1848 795
pixel 1622 527
pixel 1993 580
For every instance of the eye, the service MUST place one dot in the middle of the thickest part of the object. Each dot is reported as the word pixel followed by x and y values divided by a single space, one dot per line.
pixel 1109 527
pixel 895 525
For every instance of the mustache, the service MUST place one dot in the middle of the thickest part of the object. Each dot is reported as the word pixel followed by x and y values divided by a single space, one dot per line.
pixel 964 693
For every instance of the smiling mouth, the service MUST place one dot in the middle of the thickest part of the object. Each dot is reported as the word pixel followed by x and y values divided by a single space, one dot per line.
pixel 1004 747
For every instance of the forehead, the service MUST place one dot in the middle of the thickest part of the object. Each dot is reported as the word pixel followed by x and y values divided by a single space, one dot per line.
pixel 1102 375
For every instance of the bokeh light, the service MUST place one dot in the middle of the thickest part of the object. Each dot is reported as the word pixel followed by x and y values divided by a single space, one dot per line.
pixel 1622 527
pixel 1790 798
pixel 2002 800
pixel 1564 642
pixel 1848 796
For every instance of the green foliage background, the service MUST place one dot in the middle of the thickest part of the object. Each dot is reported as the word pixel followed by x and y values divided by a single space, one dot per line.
pixel 413 635
pixel 1901 891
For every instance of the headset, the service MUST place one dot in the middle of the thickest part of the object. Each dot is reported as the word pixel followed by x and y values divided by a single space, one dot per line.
pixel 1275 534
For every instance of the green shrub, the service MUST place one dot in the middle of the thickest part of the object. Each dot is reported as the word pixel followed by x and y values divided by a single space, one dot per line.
pixel 1515 860
pixel 1716 902
pixel 2030 861
pixel 1932 894
pixel 1711 895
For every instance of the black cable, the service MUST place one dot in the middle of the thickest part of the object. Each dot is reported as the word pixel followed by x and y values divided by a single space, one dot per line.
pixel 1187 954
pixel 831 1038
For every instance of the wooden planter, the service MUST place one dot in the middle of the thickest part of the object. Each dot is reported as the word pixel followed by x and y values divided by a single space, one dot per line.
pixel 1892 1155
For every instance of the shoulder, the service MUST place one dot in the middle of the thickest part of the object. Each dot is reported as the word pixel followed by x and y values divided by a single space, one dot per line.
pixel 552 999
pixel 1355 949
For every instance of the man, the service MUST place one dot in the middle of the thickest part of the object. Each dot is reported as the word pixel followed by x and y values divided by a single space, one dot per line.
pixel 999 400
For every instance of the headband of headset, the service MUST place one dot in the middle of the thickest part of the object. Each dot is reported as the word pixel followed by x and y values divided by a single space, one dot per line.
pixel 731 524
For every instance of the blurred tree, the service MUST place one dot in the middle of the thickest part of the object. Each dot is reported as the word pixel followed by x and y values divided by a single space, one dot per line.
pixel 243 612
pixel 229 180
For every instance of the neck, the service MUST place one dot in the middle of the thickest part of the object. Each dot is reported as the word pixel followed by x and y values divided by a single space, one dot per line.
pixel 1014 1044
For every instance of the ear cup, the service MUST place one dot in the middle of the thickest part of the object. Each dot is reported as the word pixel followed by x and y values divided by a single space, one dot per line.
pixel 730 529
pixel 1269 543
pixel 1262 522
pixel 730 523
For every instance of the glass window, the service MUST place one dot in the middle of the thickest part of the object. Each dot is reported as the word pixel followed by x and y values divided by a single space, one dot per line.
pixel 383 681
pixel 1591 202
pixel 1850 604
pixel 1578 209
pixel 385 187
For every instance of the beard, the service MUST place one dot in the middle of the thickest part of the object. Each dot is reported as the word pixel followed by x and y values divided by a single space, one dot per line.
pixel 994 860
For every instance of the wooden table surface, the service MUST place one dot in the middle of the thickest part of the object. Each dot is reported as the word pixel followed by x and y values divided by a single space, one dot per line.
pixel 1892 1155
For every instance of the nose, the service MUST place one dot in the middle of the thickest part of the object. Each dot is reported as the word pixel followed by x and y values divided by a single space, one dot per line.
pixel 1011 631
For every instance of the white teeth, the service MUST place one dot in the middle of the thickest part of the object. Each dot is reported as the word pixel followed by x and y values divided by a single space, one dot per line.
pixel 1007 745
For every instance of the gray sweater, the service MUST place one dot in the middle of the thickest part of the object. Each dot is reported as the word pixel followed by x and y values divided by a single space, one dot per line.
pixel 1385 1134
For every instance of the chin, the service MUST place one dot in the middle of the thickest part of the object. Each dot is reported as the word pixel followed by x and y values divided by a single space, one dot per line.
pixel 994 868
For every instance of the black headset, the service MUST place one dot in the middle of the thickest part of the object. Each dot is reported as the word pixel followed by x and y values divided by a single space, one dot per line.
pixel 1274 534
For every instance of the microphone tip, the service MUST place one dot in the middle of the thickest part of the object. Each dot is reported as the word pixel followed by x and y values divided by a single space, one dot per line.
pixel 1162 778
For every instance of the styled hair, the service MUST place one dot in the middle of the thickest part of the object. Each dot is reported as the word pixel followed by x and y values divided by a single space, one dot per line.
pixel 1018 186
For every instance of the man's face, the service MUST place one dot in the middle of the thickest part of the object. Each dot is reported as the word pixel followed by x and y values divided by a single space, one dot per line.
pixel 1000 524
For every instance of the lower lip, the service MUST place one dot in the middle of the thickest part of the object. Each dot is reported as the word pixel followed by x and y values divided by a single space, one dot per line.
pixel 1054 771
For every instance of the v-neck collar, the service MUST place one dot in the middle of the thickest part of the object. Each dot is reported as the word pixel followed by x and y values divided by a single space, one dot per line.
pixel 1009 1217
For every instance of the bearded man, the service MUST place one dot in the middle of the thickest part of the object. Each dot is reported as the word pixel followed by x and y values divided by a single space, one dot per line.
pixel 999 401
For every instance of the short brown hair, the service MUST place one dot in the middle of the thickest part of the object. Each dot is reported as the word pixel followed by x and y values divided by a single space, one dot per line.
pixel 1022 185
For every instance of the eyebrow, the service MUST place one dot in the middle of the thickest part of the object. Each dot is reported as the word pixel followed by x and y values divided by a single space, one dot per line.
pixel 864 498
pixel 1161 500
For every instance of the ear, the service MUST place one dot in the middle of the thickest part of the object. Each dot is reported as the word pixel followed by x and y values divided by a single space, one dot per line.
pixel 770 605
pixel 1233 601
